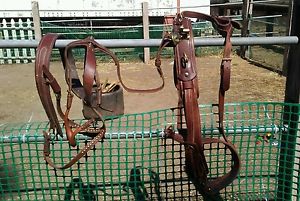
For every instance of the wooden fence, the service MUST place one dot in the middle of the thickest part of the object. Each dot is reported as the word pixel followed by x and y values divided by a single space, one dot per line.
pixel 262 23
pixel 17 30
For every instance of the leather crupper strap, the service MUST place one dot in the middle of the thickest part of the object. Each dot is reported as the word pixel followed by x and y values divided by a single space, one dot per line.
pixel 45 80
pixel 185 77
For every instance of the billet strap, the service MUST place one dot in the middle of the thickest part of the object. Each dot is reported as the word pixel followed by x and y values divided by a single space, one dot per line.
pixel 225 69
pixel 187 86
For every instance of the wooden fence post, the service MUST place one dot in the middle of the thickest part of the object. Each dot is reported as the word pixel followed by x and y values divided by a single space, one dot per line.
pixel 146 31
pixel 36 20
pixel 246 13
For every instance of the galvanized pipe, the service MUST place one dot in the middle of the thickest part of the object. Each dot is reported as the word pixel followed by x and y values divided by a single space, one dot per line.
pixel 123 43
pixel 136 134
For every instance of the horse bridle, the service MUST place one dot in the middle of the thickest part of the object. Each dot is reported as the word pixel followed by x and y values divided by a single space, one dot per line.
pixel 45 80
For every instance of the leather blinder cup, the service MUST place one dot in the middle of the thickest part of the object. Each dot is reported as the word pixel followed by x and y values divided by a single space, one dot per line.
pixel 112 104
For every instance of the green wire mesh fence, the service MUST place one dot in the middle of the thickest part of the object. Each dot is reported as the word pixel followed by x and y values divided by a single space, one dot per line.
pixel 136 162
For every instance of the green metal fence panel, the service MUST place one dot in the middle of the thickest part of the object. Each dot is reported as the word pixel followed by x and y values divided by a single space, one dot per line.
pixel 136 162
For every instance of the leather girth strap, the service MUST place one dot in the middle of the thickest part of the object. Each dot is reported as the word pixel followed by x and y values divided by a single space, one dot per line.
pixel 185 77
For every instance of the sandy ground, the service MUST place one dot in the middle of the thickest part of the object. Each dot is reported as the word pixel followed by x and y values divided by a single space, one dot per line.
pixel 19 101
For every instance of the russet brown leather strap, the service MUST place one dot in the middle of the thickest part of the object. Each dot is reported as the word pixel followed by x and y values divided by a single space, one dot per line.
pixel 185 77
pixel 90 84
pixel 45 80
pixel 76 158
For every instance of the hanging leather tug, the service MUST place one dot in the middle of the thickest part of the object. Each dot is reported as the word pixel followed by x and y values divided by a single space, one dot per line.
pixel 189 122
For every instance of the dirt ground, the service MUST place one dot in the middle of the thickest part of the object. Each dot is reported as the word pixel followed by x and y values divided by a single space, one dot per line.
pixel 19 101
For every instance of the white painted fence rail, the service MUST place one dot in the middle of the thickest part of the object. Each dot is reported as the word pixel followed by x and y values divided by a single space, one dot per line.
pixel 16 30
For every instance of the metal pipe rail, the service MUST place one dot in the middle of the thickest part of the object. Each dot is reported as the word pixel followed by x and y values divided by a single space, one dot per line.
pixel 24 138
pixel 126 43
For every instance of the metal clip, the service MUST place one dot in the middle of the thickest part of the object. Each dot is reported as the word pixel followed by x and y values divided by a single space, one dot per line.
pixel 175 38
pixel 184 60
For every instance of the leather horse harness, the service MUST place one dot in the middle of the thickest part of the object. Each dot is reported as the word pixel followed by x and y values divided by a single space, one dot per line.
pixel 89 90
pixel 85 90
pixel 185 79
